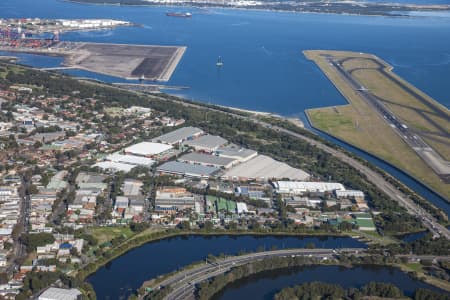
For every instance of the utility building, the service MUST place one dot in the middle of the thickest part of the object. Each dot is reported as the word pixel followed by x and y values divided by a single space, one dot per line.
pixel 207 160
pixel 180 135
pixel 206 143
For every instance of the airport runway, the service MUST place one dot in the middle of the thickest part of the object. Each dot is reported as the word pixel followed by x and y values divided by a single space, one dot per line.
pixel 433 159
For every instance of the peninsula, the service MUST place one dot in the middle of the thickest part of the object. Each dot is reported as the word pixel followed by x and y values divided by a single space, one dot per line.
pixel 149 62
pixel 332 7
pixel 386 116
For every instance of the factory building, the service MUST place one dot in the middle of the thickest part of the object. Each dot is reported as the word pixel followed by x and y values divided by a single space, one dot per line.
pixel 147 149
pixel 301 187
pixel 180 135
pixel 207 160
pixel 353 194
pixel 206 143
pixel 114 166
pixel 241 207
pixel 132 187
pixel 185 169
pixel 60 294
pixel 181 202
pixel 131 160
pixel 262 168
pixel 236 152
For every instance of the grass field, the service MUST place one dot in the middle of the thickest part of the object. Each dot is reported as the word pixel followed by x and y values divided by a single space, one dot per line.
pixel 106 234
pixel 114 111
pixel 415 267
pixel 359 124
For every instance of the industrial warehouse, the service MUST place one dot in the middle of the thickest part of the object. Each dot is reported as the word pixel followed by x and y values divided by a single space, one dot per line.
pixel 206 143
pixel 201 156
pixel 263 168
pixel 147 149
pixel 197 160
pixel 178 136
pixel 207 160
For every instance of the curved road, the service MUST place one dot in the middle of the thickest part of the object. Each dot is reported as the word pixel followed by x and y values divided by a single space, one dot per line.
pixel 183 283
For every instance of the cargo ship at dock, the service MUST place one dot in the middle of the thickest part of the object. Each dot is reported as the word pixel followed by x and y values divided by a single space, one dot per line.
pixel 179 15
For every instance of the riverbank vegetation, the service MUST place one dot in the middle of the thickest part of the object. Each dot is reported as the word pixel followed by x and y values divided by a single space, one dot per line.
pixel 209 288
pixel 118 244
pixel 371 9
pixel 322 291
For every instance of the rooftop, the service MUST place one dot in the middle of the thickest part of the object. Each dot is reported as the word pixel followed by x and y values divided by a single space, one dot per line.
pixel 264 167
pixel 60 294
pixel 89 177
pixel 114 166
pixel 131 159
pixel 206 159
pixel 147 148
pixel 206 141
pixel 235 151
pixel 178 135
pixel 306 186
pixel 181 168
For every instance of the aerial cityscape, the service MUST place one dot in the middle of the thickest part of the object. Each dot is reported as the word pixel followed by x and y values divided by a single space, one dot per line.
pixel 224 149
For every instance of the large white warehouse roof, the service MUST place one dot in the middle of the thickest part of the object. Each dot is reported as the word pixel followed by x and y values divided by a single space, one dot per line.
pixel 263 167
pixel 147 149
pixel 131 159
pixel 298 187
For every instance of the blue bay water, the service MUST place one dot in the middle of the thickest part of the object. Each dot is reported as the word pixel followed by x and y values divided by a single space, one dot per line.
pixel 262 51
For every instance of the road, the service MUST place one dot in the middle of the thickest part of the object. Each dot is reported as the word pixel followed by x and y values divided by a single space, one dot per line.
pixel 183 283
pixel 19 251
pixel 433 159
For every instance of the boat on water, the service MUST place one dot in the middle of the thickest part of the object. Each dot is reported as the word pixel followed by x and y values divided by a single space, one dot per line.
pixel 219 62
pixel 179 15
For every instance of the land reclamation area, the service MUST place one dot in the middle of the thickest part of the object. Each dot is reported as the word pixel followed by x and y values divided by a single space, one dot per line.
pixel 147 62
pixel 386 116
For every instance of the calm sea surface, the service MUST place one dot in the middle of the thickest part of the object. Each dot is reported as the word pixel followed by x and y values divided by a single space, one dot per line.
pixel 262 51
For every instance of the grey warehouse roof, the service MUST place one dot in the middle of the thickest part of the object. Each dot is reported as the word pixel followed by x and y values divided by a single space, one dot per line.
pixel 206 159
pixel 235 151
pixel 207 141
pixel 181 168
pixel 178 135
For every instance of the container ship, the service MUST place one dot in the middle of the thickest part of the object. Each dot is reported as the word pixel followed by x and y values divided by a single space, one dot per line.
pixel 179 15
